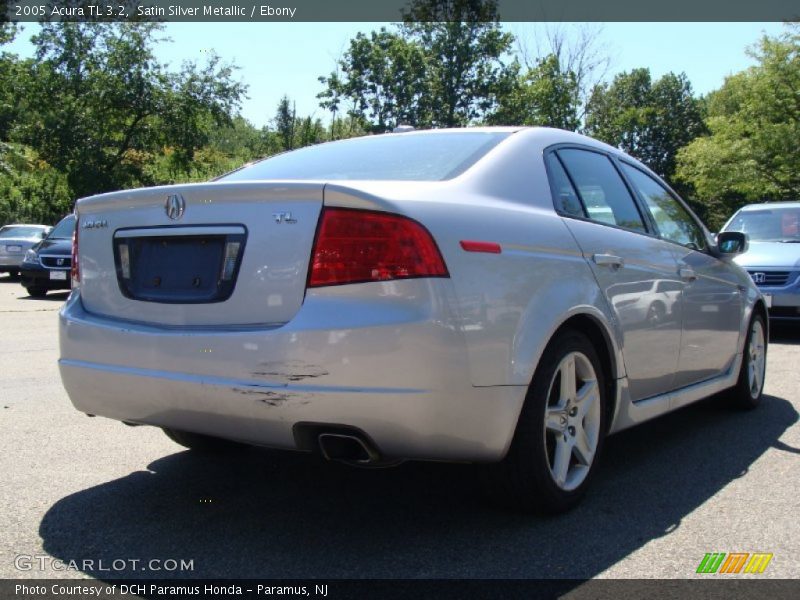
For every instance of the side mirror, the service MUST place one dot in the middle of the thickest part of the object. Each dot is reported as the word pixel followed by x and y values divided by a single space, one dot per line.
pixel 731 243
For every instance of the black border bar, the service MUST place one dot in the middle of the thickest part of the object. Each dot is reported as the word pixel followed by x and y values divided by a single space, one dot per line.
pixel 714 586
pixel 393 10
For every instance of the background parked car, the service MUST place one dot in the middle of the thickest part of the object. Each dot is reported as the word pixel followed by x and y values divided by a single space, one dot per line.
pixel 773 256
pixel 15 241
pixel 47 264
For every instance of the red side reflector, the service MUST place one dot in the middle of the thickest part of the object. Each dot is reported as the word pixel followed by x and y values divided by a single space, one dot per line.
pixel 472 246
pixel 354 246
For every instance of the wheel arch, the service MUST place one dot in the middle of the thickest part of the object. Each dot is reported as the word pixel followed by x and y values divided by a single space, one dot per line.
pixel 761 308
pixel 601 340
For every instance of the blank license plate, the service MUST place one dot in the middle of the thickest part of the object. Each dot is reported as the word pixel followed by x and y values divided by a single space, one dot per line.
pixel 768 300
pixel 62 275
pixel 13 248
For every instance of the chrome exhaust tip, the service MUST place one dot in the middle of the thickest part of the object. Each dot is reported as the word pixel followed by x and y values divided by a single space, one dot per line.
pixel 346 448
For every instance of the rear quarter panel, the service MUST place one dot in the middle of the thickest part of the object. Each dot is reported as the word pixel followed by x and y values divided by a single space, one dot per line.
pixel 508 305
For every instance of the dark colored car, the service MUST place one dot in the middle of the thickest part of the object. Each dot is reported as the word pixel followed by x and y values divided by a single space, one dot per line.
pixel 47 265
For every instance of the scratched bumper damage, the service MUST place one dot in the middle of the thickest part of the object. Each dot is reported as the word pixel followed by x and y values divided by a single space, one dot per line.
pixel 400 375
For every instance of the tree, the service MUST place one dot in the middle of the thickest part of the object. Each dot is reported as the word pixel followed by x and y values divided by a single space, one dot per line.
pixel 384 81
pixel 9 105
pixel 464 47
pixel 99 106
pixel 443 67
pixel 546 95
pixel 751 153
pixel 579 50
pixel 284 122
pixel 650 121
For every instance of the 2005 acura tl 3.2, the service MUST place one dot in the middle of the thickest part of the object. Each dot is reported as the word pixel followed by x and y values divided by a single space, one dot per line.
pixel 506 296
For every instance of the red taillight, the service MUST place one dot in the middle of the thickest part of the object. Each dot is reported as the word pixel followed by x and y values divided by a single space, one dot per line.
pixel 75 271
pixel 355 246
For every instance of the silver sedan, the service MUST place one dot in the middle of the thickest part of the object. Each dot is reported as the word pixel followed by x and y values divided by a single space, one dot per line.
pixel 502 296
pixel 15 241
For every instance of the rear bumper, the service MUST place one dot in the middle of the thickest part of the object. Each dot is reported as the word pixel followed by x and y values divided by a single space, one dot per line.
pixel 397 372
pixel 10 262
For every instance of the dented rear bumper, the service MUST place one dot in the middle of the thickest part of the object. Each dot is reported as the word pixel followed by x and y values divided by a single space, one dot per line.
pixel 383 362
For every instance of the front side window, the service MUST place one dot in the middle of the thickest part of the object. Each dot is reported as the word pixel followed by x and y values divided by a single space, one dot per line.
pixel 601 188
pixel 673 221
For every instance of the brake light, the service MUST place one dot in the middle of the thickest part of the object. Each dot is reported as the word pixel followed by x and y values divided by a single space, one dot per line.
pixel 354 246
pixel 75 272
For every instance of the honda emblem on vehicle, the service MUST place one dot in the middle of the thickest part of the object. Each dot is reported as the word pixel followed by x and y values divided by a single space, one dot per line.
pixel 284 217
pixel 759 277
pixel 175 206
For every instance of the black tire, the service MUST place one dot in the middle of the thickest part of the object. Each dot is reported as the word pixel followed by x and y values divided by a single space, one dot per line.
pixel 746 393
pixel 202 443
pixel 525 478
pixel 37 292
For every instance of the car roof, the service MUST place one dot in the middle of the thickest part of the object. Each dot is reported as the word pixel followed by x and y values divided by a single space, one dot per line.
pixel 749 207
pixel 26 225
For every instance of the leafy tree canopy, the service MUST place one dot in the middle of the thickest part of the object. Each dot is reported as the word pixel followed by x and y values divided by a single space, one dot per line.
pixel 443 67
pixel 649 120
pixel 545 95
pixel 751 153
pixel 99 104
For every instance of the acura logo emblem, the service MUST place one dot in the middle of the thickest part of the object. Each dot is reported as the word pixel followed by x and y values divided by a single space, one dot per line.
pixel 759 277
pixel 175 206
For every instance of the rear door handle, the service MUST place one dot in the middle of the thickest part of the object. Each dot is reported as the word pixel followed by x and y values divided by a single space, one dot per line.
pixel 687 274
pixel 608 260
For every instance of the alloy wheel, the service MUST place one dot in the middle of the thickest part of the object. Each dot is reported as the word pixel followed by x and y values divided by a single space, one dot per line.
pixel 572 421
pixel 757 359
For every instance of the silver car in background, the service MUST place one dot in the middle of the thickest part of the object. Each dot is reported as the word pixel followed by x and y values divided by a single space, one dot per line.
pixel 773 255
pixel 476 295
pixel 15 241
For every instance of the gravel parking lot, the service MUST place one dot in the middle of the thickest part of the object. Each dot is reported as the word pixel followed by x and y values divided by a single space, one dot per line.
pixel 705 479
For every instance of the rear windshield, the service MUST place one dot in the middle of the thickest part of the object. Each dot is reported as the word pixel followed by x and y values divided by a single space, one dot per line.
pixel 21 232
pixel 776 224
pixel 406 157
pixel 64 229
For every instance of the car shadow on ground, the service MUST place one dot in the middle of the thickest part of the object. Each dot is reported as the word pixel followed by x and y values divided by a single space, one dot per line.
pixel 784 332
pixel 285 515
pixel 59 296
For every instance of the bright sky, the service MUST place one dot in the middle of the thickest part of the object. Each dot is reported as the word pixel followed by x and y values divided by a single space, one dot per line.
pixel 286 58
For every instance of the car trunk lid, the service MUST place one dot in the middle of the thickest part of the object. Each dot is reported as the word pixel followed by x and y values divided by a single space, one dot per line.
pixel 214 254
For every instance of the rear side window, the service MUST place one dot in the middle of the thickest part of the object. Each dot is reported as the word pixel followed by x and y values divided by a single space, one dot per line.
pixel 564 196
pixel 673 221
pixel 601 188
